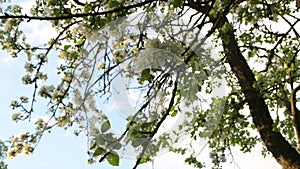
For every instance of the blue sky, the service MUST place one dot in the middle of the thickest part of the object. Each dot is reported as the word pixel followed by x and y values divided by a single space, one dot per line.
pixel 61 149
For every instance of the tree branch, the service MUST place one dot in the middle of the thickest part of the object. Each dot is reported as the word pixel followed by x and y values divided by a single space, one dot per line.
pixel 166 114
pixel 295 112
pixel 78 15
pixel 79 3
pixel 283 152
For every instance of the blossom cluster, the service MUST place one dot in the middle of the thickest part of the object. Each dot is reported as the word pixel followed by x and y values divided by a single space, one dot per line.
pixel 21 145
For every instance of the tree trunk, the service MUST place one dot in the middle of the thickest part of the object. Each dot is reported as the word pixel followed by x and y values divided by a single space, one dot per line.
pixel 283 152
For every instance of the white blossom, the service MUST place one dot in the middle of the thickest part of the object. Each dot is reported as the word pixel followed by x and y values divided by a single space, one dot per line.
pixel 46 90
pixel 26 79
pixel 15 116
pixel 29 67
pixel 24 99
pixel 63 54
pixel 133 49
pixel 32 11
pixel 27 149
pixel 85 74
pixel 67 78
pixel 14 140
pixel 42 57
pixel 62 121
pixel 92 102
pixel 42 76
pixel 101 65
pixel 22 137
pixel 8 25
pixel 11 154
pixel 40 123
pixel 14 104
pixel 127 68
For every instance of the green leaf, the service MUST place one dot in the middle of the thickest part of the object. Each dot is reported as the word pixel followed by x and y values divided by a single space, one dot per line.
pixel 105 126
pixel 136 142
pixel 129 118
pixel 145 75
pixel 177 3
pixel 113 159
pixel 80 42
pixel 93 146
pixel 145 159
pixel 118 146
pixel 113 3
pixel 52 2
pixel 67 11
pixel 101 22
pixel 174 113
pixel 99 151
pixel 66 47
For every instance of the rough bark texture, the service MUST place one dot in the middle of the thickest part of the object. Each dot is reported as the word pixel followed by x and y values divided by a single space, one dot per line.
pixel 295 113
pixel 284 153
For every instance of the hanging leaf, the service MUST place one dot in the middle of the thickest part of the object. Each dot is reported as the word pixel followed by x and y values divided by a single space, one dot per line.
pixel 113 159
pixel 80 42
pixel 145 75
pixel 177 3
pixel 105 126
pixel 99 151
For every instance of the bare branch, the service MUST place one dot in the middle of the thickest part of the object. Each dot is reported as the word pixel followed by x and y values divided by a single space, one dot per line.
pixel 78 15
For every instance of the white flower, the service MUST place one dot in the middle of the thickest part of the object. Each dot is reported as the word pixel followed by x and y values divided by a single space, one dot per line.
pixel 26 79
pixel 67 78
pixel 8 25
pixel 14 140
pixel 42 57
pixel 46 90
pixel 27 149
pixel 134 49
pixel 41 76
pixel 48 11
pixel 23 137
pixel 38 131
pixel 77 99
pixel 62 121
pixel 14 104
pixel 24 99
pixel 127 68
pixel 11 154
pixel 15 116
pixel 29 67
pixel 101 65
pixel 85 74
pixel 40 122
pixel 63 54
pixel 32 11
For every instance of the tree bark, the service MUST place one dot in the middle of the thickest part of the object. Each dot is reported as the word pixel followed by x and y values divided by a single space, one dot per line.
pixel 280 148
pixel 295 113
